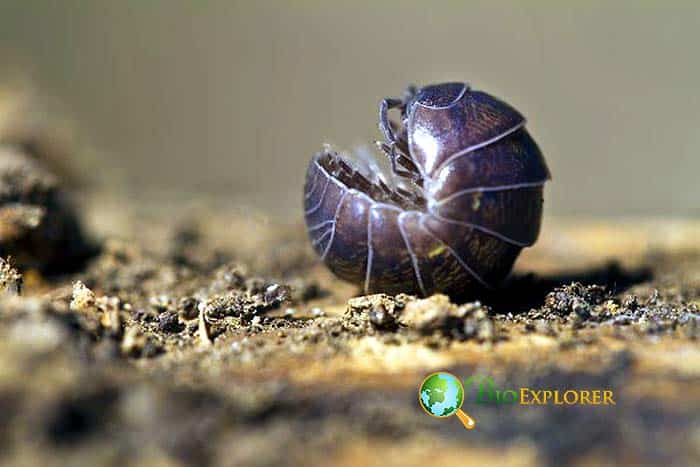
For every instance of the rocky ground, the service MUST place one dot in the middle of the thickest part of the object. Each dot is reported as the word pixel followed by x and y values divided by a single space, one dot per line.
pixel 178 331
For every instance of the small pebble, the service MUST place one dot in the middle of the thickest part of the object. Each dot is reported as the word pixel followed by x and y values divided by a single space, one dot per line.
pixel 169 322
pixel 83 298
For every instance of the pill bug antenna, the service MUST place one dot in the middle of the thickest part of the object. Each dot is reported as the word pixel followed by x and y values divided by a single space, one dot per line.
pixel 395 144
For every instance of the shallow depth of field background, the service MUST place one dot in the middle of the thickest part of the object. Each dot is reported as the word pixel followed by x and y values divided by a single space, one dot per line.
pixel 232 98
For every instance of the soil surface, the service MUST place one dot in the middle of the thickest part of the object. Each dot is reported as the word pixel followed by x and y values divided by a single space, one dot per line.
pixel 189 332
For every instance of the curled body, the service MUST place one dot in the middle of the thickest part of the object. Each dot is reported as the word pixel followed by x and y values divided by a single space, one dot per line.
pixel 463 196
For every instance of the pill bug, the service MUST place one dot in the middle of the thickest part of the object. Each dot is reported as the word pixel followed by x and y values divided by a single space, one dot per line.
pixel 460 196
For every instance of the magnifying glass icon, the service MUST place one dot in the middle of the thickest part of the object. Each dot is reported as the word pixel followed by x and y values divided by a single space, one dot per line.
pixel 441 395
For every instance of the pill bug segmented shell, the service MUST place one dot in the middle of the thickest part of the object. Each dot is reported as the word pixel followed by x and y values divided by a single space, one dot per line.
pixel 463 196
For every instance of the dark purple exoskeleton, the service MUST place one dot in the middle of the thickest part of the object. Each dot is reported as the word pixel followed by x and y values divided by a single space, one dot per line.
pixel 462 198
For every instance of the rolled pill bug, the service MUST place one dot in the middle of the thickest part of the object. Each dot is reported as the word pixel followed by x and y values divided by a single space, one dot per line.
pixel 460 196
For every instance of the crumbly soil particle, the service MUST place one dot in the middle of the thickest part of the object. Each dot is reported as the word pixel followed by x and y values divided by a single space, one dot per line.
pixel 38 225
pixel 10 279
pixel 205 337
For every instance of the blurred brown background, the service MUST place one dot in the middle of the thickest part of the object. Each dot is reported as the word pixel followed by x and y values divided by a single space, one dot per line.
pixel 232 98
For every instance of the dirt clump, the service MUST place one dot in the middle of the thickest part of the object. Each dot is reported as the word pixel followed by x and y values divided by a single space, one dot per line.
pixel 39 228
pixel 10 279
pixel 578 306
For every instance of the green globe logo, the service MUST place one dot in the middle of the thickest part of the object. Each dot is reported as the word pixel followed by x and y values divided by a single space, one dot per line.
pixel 441 395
